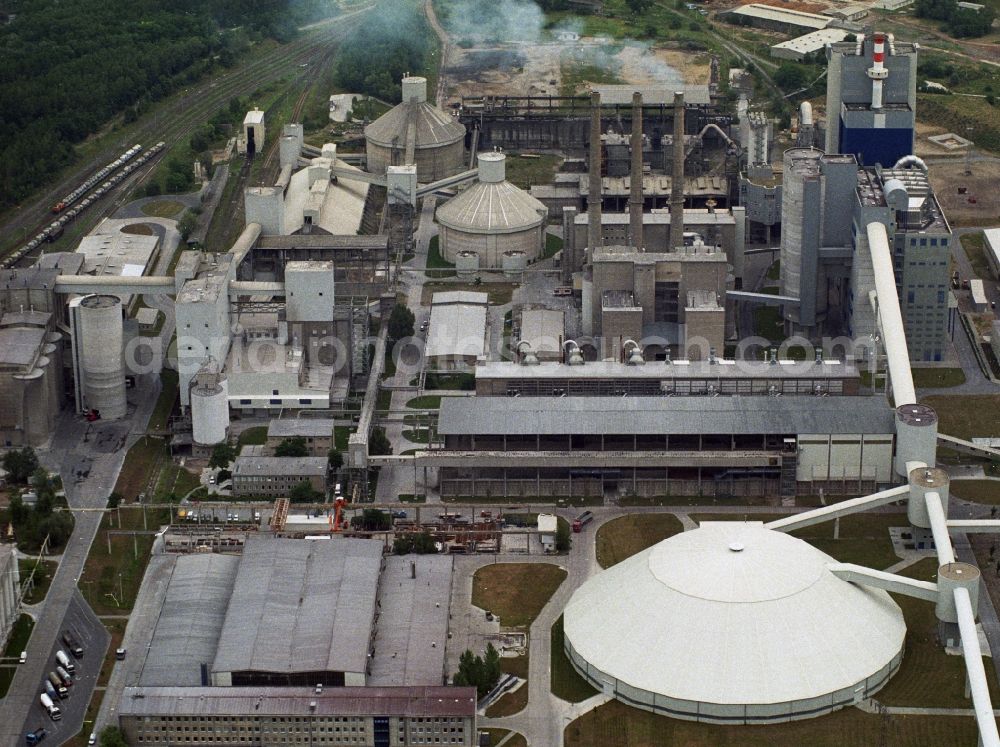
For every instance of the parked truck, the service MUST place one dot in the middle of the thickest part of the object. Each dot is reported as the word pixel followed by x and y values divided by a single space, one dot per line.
pixel 64 660
pixel 54 713
pixel 582 520
pixel 56 684
pixel 72 644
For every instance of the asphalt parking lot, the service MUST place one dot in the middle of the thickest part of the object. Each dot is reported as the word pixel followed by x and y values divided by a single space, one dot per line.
pixel 81 620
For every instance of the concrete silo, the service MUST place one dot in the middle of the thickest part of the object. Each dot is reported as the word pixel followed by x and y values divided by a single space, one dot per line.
pixel 437 139
pixel 492 217
pixel 209 410
pixel 99 346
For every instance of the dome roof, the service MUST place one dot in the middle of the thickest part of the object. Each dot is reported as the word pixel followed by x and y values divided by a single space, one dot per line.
pixel 492 204
pixel 733 613
pixel 434 127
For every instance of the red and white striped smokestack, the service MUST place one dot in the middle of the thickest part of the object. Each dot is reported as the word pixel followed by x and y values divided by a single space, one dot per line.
pixel 877 71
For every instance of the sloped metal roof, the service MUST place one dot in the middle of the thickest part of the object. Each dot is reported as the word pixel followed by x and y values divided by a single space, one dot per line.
pixel 301 606
pixel 434 127
pixel 492 207
pixel 664 415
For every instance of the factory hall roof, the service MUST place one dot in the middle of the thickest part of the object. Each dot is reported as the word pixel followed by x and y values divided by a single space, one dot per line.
pixel 190 620
pixel 521 416
pixel 301 606
pixel 267 465
pixel 723 369
pixel 305 427
pixel 621 94
pixel 433 127
pixel 734 614
pixel 412 702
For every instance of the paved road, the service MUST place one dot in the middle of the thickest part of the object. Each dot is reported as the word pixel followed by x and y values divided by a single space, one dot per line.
pixel 95 639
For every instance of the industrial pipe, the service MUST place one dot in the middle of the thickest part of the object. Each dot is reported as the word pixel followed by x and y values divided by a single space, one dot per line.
pixel 677 180
pixel 245 243
pixel 988 735
pixel 890 318
pixel 713 126
pixel 907 161
pixel 594 230
pixel 635 195
pixel 939 528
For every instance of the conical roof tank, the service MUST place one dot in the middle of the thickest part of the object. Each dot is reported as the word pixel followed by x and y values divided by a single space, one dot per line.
pixel 438 137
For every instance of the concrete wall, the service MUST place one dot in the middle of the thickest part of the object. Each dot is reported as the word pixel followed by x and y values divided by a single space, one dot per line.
pixel 705 329
pixel 490 247
pixel 432 163
pixel 10 581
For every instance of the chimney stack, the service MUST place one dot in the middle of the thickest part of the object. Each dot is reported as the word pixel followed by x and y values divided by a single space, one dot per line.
pixel 635 195
pixel 594 235
pixel 677 182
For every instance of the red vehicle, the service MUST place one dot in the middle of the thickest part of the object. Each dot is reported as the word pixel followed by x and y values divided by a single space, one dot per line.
pixel 58 207
pixel 93 415
pixel 582 520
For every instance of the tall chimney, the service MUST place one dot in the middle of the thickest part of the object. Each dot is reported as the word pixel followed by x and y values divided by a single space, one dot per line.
pixel 635 196
pixel 594 236
pixel 677 182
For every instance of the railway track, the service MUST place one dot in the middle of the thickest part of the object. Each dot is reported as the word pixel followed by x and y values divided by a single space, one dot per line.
pixel 182 115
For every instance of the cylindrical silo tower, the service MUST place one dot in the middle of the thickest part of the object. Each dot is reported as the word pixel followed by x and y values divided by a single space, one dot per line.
pixel 916 436
pixel 438 139
pixel 102 365
pixel 209 409
pixel 492 217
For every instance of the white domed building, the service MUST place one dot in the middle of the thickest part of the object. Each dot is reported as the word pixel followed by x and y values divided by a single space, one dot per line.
pixel 439 138
pixel 733 623
pixel 492 218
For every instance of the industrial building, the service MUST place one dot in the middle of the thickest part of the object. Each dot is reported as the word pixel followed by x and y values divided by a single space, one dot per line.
pixel 671 300
pixel 98 355
pixel 456 339
pixel 239 638
pixel 498 224
pixel 272 477
pixel 31 376
pixel 316 433
pixel 774 18
pixel 356 716
pixel 542 334
pixel 814 41
pixel 10 592
pixel 752 625
pixel 584 445
pixel 871 86
pixel 991 244
pixel 416 132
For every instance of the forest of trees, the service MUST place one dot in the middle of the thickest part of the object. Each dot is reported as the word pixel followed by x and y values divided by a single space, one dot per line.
pixel 959 22
pixel 394 41
pixel 69 67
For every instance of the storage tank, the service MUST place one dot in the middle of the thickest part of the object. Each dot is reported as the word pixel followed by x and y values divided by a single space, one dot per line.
pixel 801 218
pixel 492 217
pixel 466 263
pixel 101 358
pixel 439 138
pixel 209 409
pixel 514 263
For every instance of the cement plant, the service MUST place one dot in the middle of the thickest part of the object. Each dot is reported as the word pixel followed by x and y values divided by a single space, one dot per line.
pixel 622 373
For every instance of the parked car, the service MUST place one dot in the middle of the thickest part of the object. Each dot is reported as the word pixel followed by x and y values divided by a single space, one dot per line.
pixel 36 736
pixel 119 653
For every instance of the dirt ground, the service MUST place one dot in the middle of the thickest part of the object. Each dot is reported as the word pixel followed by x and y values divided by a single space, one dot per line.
pixel 925 147
pixel 981 186
pixel 536 69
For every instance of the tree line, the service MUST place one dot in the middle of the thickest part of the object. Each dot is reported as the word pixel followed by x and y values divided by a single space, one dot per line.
pixel 69 67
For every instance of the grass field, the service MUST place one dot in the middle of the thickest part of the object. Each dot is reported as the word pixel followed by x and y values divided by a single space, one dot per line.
pixel 514 702
pixel 966 416
pixel 941 378
pixel 979 491
pixel 499 293
pixel 425 402
pixel 524 170
pixel 434 259
pixel 160 418
pixel 162 209
pixel 623 537
pixel 565 683
pixel 975 249
pixel 142 463
pixel 617 725
pixel 256 436
pixel 16 643
pixel 46 569
pixel 516 591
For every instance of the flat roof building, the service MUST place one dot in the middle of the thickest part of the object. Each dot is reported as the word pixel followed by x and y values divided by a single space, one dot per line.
pixel 544 330
pixel 358 716
pixel 273 477
pixel 777 19
pixel 316 432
